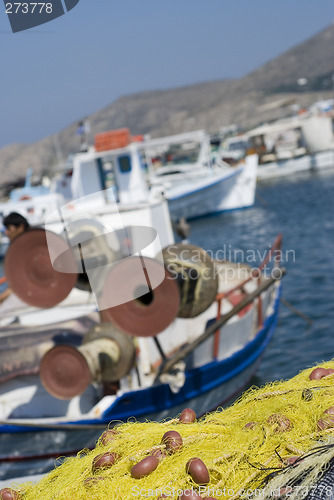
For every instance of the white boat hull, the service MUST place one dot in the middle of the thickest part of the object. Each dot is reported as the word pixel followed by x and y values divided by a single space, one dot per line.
pixel 218 194
pixel 313 162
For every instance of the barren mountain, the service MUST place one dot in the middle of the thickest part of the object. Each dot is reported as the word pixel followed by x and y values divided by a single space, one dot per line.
pixel 265 94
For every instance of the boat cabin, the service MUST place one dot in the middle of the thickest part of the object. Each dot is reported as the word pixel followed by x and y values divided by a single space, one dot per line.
pixel 119 171
pixel 292 137
pixel 178 153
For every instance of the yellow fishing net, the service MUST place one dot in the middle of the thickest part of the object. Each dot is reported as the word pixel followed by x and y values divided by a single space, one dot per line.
pixel 242 447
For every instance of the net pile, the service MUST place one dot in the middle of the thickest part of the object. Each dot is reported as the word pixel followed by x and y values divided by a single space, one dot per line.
pixel 274 442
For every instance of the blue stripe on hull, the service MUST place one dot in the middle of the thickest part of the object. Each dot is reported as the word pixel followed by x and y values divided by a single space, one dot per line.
pixel 202 201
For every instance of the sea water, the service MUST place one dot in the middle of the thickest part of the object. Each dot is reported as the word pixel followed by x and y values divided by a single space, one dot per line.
pixel 302 209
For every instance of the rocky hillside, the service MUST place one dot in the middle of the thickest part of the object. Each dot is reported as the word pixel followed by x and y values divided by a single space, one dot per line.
pixel 265 94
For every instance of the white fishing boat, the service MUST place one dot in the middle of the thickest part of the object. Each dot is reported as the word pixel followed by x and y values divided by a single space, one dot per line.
pixel 301 143
pixel 107 186
pixel 195 184
pixel 117 320
pixel 110 205
pixel 193 340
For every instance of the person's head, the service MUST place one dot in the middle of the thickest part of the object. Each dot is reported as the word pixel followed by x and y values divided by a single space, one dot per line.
pixel 15 225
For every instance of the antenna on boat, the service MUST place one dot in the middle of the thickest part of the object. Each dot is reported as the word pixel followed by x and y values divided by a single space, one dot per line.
pixel 83 131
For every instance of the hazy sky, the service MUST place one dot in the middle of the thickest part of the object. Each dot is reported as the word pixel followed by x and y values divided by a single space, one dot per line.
pixel 56 74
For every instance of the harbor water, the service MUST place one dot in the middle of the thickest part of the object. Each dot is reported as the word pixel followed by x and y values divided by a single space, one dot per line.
pixel 302 209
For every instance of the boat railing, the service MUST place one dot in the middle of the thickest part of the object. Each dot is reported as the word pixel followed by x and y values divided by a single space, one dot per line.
pixel 188 348
pixel 275 253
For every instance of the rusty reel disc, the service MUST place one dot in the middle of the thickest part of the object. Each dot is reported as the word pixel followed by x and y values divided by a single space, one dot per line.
pixel 29 270
pixel 145 295
pixel 106 355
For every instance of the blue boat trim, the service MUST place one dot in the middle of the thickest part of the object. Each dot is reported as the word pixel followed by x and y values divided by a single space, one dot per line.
pixel 189 193
pixel 218 212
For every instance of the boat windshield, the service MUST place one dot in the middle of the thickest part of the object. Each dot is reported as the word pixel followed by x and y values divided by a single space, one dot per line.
pixel 238 145
pixel 174 154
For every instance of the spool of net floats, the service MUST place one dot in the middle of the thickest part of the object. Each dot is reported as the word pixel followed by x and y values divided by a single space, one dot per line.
pixel 273 442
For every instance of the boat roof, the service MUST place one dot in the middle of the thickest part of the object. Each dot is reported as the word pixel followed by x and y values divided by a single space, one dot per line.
pixel 278 126
pixel 196 135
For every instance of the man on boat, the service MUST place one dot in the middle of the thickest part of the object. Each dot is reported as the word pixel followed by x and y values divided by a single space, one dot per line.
pixel 15 224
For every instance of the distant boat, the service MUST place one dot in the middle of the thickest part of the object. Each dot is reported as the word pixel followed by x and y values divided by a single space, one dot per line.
pixel 300 143
pixel 29 190
pixel 194 184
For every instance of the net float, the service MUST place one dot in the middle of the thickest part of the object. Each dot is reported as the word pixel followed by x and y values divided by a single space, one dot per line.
pixel 198 471
pixel 145 467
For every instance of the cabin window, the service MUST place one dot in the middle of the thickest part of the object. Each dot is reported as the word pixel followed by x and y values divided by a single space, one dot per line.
pixel 237 145
pixel 124 163
pixel 171 154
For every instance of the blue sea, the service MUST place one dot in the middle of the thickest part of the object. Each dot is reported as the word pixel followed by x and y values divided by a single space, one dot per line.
pixel 302 209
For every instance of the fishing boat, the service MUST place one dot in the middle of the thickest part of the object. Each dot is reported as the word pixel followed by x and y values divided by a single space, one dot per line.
pixel 117 320
pixel 194 183
pixel 301 143
pixel 105 185
pixel 193 339
pixel 112 212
